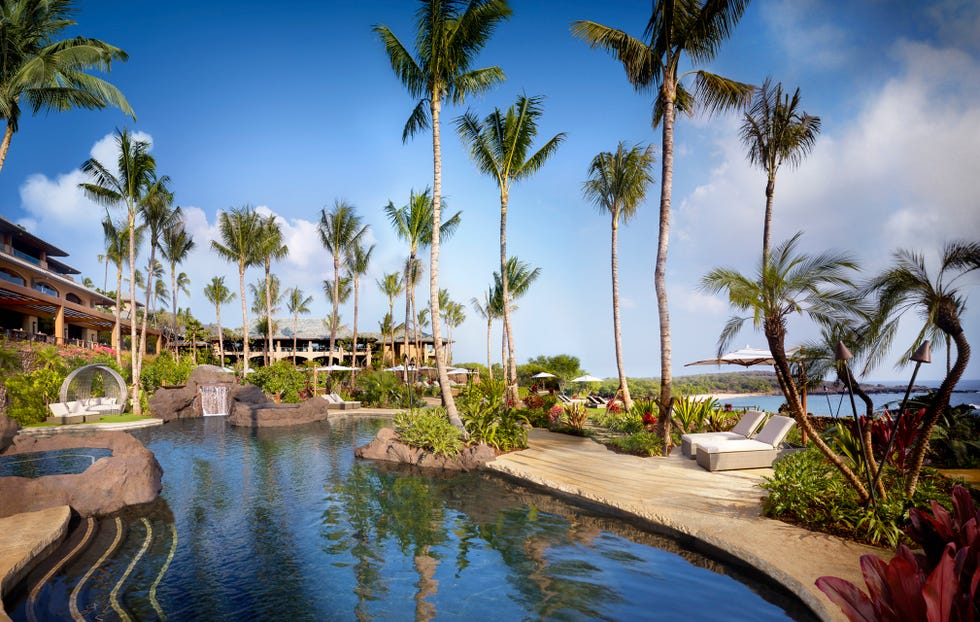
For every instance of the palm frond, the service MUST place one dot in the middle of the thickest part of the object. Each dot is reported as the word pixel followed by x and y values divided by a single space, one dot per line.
pixel 642 68
pixel 717 94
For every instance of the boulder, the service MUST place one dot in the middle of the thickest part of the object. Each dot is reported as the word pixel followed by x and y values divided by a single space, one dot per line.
pixel 181 402
pixel 8 430
pixel 130 476
pixel 246 411
pixel 386 446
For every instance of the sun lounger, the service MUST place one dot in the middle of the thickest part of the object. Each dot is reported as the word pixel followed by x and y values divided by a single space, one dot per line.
pixel 745 428
pixel 564 399
pixel 756 453
pixel 595 401
pixel 335 402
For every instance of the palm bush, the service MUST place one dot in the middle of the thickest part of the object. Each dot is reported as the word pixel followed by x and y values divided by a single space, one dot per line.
pixel 379 389
pixel 481 407
pixel 429 429
pixel 692 414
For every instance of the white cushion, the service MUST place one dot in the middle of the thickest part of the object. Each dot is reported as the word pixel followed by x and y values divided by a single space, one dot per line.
pixel 775 430
pixel 724 447
pixel 749 423
pixel 76 407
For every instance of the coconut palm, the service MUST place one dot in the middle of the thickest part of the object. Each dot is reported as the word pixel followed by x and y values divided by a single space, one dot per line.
pixel 116 237
pixel 391 286
pixel 413 223
pixel 240 230
pixel 358 259
pixel 775 131
pixel 449 35
pixel 617 185
pixel 906 285
pixel 454 315
pixel 265 302
pixel 340 229
pixel 297 303
pixel 217 294
pixel 177 245
pixel 787 283
pixel 137 177
pixel 488 311
pixel 158 215
pixel 500 146
pixel 270 248
pixel 693 29
pixel 48 73
pixel 520 275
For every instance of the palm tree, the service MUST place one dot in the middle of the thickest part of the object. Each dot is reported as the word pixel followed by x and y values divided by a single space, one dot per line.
pixel 297 303
pixel 46 73
pixel 358 259
pixel 487 311
pixel 448 37
pixel 789 283
pixel 694 29
pixel 270 247
pixel 520 275
pixel 618 184
pixel 177 245
pixel 390 286
pixel 217 294
pixel 908 285
pixel 158 216
pixel 265 302
pixel 454 316
pixel 413 223
pixel 116 238
pixel 241 232
pixel 137 175
pixel 340 229
pixel 775 131
pixel 499 146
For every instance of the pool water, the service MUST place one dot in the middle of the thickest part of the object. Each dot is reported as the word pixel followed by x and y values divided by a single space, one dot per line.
pixel 284 524
pixel 54 462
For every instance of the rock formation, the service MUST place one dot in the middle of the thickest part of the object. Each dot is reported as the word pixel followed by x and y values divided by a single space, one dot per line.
pixel 169 403
pixel 386 446
pixel 8 430
pixel 252 409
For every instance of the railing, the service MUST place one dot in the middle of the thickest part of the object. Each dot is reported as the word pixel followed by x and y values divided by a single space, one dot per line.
pixel 21 335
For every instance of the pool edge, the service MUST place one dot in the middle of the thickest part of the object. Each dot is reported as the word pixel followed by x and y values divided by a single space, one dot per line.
pixel 26 539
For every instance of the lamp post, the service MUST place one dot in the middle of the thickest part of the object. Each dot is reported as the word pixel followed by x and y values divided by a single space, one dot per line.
pixel 842 355
pixel 920 356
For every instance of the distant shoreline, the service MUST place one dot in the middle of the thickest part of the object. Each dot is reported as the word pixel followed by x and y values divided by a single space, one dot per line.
pixel 726 396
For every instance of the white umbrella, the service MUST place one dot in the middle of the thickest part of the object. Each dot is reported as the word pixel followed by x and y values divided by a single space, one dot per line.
pixel 455 372
pixel 746 357
pixel 587 378
pixel 336 368
pixel 544 374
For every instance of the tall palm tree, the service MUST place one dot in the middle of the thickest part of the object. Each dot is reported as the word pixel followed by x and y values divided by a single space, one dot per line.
pixel 487 310
pixel 788 283
pixel 158 215
pixel 358 260
pixel 693 29
pixel 297 303
pixel 520 276
pixel 137 175
pixel 391 286
pixel 448 37
pixel 241 231
pixel 413 222
pixel 177 245
pixel 340 230
pixel 617 185
pixel 909 285
pixel 217 294
pixel 116 237
pixel 775 131
pixel 265 302
pixel 500 146
pixel 46 73
pixel 270 248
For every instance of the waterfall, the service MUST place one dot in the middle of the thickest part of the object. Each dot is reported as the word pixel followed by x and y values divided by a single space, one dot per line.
pixel 214 399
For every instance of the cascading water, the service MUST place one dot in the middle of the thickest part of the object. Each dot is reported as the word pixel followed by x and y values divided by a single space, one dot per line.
pixel 214 399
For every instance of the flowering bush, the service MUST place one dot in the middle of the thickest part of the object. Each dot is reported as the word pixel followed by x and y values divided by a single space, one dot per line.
pixel 555 413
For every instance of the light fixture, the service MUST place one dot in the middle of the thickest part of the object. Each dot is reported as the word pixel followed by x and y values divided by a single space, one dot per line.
pixel 842 354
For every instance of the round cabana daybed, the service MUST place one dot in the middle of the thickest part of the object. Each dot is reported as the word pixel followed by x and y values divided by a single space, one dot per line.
pixel 88 393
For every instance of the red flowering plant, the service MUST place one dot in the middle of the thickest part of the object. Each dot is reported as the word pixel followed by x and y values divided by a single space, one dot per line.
pixel 905 435
pixel 554 415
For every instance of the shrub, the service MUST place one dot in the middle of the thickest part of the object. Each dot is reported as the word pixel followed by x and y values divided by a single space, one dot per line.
pixel 378 388
pixel 165 370
pixel 481 407
pixel 647 410
pixel 281 379
pixel 639 444
pixel 429 429
pixel 625 421
pixel 691 414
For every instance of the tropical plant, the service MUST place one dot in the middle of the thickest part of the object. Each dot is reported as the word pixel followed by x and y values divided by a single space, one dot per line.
pixel 270 248
pixel 166 369
pixel 429 429
pixel 789 283
pixel 391 285
pixel 116 238
pixel 358 259
pixel 340 230
pixel 263 303
pixel 908 285
pixel 448 36
pixel 282 380
pixel 158 215
pixel 500 147
pixel 488 311
pixel 240 230
pixel 46 73
pixel 137 179
pixel 217 294
pixel 640 443
pixel 520 276
pixel 481 406
pixel 693 29
pixel 691 414
pixel 177 245
pixel 298 304
pixel 617 185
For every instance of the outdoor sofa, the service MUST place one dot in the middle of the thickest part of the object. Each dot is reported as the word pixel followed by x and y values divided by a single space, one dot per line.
pixel 757 453
pixel 84 410
pixel 745 428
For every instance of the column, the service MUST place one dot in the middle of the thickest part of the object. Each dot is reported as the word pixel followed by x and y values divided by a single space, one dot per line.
pixel 59 326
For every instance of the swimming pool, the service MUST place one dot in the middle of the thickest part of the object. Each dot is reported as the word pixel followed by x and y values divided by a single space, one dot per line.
pixel 54 462
pixel 284 524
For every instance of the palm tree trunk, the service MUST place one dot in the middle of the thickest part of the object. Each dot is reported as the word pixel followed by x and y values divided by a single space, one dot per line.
pixel 617 332
pixel 659 275
pixel 353 355
pixel 951 326
pixel 510 365
pixel 146 308
pixel 409 294
pixel 221 335
pixel 173 290
pixel 447 394
pixel 117 327
pixel 134 370
pixel 295 324
pixel 8 134
pixel 767 226
pixel 336 303
pixel 268 311
pixel 241 285
pixel 489 326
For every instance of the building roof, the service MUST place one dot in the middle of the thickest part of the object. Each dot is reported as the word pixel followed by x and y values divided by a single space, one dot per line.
pixel 22 237
pixel 317 329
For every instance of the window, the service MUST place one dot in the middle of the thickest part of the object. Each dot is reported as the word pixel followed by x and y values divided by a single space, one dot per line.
pixel 44 288
pixel 73 298
pixel 11 277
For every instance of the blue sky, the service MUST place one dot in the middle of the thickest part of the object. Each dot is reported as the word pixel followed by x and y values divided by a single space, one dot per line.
pixel 289 106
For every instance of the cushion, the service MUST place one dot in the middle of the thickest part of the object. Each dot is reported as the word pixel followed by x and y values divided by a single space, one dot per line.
pixel 775 430
pixel 749 423
pixel 76 407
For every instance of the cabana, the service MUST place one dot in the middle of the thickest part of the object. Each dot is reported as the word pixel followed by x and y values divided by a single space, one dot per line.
pixel 88 393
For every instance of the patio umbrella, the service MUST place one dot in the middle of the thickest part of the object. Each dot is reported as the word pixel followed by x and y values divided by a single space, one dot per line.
pixel 544 374
pixel 746 357
pixel 336 368
pixel 587 378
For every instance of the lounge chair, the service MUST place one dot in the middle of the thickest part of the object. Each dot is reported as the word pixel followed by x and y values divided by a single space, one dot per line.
pixel 745 428
pixel 335 402
pixel 596 401
pixel 564 399
pixel 756 453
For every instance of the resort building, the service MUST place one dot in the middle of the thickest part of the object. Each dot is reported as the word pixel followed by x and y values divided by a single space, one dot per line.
pixel 40 300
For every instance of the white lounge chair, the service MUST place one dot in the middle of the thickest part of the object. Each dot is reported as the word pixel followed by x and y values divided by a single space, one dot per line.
pixel 335 402
pixel 744 429
pixel 756 453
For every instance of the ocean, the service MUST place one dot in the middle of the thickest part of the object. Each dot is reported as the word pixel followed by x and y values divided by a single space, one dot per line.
pixel 966 392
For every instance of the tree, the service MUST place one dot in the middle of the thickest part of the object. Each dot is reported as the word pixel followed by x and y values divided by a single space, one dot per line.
pixel 297 303
pixel 137 176
pixel 46 73
pixel 617 185
pixel 340 229
pixel 240 230
pixel 413 223
pixel 390 286
pixel 358 259
pixel 775 131
pixel 789 283
pixel 177 245
pixel 448 37
pixel 520 275
pixel 488 311
pixel 500 146
pixel 908 285
pixel 116 237
pixel 695 30
pixel 265 302
pixel 158 216
pixel 270 247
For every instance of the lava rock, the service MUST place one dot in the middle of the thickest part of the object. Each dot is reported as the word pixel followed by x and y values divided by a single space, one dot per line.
pixel 386 446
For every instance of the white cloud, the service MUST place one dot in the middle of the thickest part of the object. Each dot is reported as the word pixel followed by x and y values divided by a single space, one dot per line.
pixel 805 40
